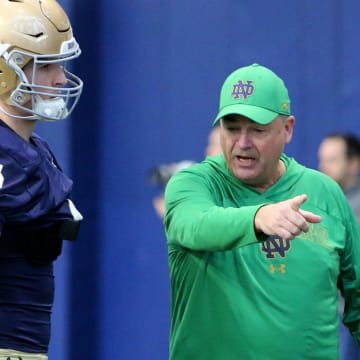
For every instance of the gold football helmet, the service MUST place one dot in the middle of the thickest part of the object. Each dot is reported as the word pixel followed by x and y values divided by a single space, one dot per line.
pixel 38 31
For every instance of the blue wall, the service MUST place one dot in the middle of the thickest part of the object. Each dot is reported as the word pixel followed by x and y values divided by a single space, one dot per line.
pixel 152 72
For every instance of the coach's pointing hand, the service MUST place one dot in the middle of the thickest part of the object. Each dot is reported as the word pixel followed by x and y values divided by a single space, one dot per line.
pixel 285 218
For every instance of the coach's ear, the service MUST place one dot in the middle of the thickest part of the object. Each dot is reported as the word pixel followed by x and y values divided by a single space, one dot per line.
pixel 289 123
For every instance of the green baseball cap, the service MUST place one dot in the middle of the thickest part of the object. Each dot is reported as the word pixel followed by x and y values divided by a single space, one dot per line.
pixel 254 92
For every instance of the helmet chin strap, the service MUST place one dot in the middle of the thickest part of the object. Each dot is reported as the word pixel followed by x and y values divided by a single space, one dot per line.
pixel 51 109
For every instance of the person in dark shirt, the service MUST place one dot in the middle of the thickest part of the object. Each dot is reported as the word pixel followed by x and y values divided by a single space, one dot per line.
pixel 339 158
pixel 36 212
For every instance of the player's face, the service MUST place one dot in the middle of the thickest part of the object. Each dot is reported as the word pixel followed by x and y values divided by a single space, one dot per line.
pixel 252 151
pixel 47 75
pixel 332 159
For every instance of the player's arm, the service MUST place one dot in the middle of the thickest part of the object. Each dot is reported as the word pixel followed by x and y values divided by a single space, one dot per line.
pixel 13 194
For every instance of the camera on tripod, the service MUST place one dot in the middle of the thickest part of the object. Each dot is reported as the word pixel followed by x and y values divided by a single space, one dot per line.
pixel 160 175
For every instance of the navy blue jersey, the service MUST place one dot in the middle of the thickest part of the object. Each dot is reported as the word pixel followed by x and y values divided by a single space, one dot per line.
pixel 36 214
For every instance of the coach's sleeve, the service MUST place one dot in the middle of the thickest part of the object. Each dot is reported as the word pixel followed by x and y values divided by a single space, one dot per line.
pixel 350 276
pixel 194 221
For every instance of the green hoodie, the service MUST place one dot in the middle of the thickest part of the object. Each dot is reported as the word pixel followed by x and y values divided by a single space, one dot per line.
pixel 236 295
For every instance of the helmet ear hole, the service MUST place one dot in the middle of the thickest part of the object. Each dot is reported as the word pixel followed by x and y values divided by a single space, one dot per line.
pixel 8 79
pixel 18 97
pixel 3 84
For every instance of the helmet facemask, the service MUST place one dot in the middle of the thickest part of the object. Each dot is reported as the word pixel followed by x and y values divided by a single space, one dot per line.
pixel 48 103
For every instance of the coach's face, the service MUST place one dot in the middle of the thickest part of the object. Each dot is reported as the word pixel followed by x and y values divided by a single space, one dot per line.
pixel 252 151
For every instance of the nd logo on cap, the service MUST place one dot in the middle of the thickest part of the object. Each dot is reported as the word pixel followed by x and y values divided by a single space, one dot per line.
pixel 243 89
pixel 255 92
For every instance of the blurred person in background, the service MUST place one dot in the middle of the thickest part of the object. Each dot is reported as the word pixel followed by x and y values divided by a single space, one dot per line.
pixel 213 147
pixel 161 174
pixel 339 158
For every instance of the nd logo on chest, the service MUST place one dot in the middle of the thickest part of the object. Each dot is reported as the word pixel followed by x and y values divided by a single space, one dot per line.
pixel 274 245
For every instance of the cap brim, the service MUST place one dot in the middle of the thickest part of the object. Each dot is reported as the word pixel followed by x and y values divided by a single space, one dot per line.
pixel 259 115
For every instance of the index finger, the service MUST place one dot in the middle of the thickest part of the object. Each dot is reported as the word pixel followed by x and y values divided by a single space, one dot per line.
pixel 297 201
pixel 310 217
